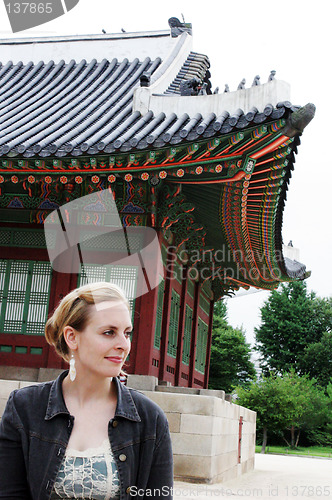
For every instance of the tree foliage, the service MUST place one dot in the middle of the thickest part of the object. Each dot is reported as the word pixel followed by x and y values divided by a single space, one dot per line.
pixel 291 320
pixel 220 315
pixel 230 363
pixel 317 359
pixel 289 404
pixel 322 434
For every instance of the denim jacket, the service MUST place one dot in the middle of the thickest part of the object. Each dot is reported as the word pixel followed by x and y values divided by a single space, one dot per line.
pixel 35 430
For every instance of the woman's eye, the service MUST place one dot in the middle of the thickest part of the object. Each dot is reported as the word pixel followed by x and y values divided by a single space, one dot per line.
pixel 128 334
pixel 109 332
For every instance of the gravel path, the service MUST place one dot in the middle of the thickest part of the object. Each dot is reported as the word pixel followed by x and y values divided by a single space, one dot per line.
pixel 275 476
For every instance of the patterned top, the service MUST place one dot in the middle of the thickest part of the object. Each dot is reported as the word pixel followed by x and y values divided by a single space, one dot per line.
pixel 89 474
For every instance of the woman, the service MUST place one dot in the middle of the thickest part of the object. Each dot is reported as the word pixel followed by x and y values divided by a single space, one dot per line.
pixel 86 435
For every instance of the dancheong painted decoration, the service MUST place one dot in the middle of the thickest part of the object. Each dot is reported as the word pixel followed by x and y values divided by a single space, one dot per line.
pixel 208 170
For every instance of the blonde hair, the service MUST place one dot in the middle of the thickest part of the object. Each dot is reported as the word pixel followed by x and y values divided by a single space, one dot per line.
pixel 74 310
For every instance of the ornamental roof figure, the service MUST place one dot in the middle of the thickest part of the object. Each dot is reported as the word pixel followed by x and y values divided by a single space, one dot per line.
pixel 241 84
pixel 272 75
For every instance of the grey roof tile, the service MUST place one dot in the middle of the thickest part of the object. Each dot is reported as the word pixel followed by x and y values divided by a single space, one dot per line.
pixel 87 107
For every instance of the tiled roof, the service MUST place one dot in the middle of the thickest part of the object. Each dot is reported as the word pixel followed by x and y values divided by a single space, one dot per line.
pixel 49 109
pixel 196 65
pixel 53 108
pixel 200 126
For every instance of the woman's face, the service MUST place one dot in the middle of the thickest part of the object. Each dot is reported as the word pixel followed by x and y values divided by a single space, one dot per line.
pixel 104 344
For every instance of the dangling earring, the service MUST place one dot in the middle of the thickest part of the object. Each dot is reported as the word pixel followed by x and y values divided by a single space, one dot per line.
pixel 72 369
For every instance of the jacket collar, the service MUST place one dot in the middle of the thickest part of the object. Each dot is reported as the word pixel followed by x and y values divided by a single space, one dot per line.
pixel 56 403
pixel 125 408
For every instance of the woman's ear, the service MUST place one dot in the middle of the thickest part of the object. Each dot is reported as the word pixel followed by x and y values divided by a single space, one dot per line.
pixel 70 336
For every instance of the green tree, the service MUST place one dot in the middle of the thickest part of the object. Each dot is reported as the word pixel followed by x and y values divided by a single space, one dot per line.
pixel 230 363
pixel 289 404
pixel 311 405
pixel 291 319
pixel 270 401
pixel 317 359
pixel 220 315
pixel 322 435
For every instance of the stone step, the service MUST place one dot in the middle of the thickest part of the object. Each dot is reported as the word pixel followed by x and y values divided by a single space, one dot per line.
pixel 29 374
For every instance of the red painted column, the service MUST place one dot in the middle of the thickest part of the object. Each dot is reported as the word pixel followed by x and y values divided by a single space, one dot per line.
pixel 171 256
pixel 129 366
pixel 208 347
pixel 141 355
pixel 194 335
pixel 240 439
pixel 144 338
pixel 182 319
pixel 62 283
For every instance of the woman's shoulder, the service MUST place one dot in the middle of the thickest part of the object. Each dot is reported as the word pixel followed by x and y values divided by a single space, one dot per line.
pixel 34 395
pixel 35 388
pixel 145 405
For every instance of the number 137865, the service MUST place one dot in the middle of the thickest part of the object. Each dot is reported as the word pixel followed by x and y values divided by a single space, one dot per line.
pixel 29 8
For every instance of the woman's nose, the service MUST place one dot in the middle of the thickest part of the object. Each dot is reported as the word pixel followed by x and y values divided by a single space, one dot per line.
pixel 123 341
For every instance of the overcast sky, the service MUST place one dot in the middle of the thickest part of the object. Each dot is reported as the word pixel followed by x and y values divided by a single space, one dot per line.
pixel 243 39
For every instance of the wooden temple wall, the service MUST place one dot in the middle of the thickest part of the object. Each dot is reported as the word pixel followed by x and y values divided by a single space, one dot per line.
pixel 174 320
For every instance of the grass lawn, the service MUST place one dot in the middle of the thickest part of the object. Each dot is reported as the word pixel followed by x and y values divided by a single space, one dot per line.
pixel 311 451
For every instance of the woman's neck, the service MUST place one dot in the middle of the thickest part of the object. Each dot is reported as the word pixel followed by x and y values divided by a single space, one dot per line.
pixel 89 389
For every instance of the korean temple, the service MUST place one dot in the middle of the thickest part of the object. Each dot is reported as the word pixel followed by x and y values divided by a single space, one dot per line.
pixel 131 121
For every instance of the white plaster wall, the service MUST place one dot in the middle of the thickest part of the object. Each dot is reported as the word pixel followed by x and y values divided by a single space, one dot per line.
pixel 291 252
pixel 130 45
pixel 171 66
pixel 259 96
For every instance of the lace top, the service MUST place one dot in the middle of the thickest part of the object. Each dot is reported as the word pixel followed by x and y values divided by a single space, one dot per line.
pixel 89 474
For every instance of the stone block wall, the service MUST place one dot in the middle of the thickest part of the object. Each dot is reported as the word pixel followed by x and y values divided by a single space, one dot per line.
pixel 205 433
pixel 28 374
pixel 6 387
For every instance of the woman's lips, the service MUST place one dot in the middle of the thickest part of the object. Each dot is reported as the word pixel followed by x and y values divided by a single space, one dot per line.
pixel 114 359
